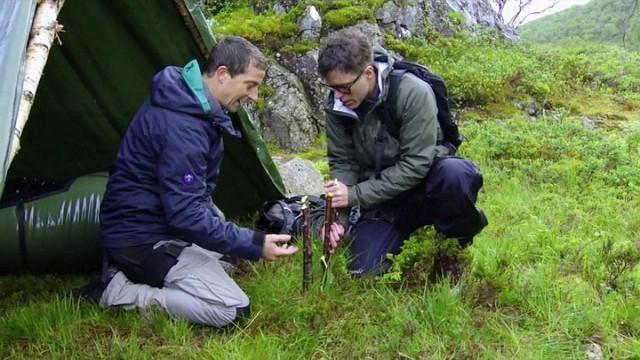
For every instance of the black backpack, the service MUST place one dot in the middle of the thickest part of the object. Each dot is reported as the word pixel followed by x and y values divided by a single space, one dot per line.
pixel 386 111
pixel 285 216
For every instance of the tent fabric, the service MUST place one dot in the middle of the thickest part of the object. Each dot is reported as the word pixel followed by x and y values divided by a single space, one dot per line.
pixel 95 81
pixel 15 26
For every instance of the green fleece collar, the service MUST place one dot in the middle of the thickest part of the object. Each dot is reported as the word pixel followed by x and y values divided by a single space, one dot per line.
pixel 193 77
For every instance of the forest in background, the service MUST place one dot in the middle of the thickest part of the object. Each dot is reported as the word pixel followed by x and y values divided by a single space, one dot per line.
pixel 612 22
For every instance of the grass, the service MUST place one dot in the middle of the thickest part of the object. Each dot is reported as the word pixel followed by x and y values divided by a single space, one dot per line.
pixel 554 271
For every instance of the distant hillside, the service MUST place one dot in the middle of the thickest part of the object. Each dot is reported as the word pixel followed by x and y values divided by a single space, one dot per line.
pixel 599 20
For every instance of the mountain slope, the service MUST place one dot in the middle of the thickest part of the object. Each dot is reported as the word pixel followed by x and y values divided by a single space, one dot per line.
pixel 599 20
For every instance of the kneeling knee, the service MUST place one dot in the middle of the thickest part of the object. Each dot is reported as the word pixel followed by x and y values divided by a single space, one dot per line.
pixel 459 174
pixel 233 315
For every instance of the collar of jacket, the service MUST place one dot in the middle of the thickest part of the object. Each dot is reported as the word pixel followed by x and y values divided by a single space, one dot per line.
pixel 193 78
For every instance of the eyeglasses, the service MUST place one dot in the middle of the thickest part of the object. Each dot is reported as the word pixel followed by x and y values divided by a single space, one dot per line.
pixel 344 88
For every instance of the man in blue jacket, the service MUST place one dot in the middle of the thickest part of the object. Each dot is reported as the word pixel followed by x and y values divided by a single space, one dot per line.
pixel 159 226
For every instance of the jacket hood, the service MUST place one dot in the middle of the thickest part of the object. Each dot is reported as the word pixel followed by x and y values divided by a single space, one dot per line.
pixel 182 90
pixel 383 61
pixel 382 57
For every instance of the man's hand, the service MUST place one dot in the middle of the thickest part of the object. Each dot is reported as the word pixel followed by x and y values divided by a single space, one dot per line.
pixel 337 232
pixel 339 193
pixel 271 251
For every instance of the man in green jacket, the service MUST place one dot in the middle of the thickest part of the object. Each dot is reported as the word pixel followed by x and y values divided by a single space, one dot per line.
pixel 419 182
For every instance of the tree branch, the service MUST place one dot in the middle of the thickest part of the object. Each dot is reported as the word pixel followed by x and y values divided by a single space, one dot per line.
pixel 514 22
pixel 44 30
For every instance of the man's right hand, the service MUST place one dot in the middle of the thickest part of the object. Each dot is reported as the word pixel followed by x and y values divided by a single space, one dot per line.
pixel 271 251
pixel 335 236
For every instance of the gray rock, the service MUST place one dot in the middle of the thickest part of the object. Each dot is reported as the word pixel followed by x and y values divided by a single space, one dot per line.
pixel 310 23
pixel 278 6
pixel 479 17
pixel 594 352
pixel 410 19
pixel 404 33
pixel 402 21
pixel 589 123
pixel 278 9
pixel 288 118
pixel 371 31
pixel 305 67
pixel 531 108
pixel 387 13
pixel 300 177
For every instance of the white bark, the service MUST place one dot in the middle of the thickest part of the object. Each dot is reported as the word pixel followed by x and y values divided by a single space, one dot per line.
pixel 43 31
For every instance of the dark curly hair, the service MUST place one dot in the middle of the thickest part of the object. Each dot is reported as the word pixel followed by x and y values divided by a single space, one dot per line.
pixel 347 51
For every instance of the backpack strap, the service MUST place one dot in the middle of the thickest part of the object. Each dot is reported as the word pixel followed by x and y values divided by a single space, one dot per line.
pixel 288 217
pixel 386 113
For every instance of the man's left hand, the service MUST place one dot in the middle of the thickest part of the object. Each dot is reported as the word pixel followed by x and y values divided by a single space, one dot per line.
pixel 339 193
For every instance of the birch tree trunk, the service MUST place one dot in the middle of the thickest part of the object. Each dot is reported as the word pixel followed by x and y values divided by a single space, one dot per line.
pixel 43 32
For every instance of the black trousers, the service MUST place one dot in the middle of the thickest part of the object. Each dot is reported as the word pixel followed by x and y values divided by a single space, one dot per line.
pixel 445 199
pixel 146 264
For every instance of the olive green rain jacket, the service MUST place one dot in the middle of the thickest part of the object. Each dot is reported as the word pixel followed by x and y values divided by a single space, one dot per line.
pixel 406 160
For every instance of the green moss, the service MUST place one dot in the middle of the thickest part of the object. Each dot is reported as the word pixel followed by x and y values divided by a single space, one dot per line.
pixel 298 10
pixel 266 91
pixel 456 18
pixel 299 48
pixel 499 110
pixel 316 151
pixel 339 18
pixel 275 149
pixel 268 30
pixel 322 166
pixel 261 104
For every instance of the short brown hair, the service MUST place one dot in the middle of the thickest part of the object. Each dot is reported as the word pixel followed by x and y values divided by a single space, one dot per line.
pixel 236 53
pixel 347 51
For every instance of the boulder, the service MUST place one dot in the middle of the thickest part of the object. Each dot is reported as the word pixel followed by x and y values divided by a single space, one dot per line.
pixel 371 31
pixel 402 21
pixel 480 16
pixel 300 177
pixel 287 118
pixel 305 67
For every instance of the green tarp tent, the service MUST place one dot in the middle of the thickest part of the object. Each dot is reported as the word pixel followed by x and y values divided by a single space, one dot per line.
pixel 92 85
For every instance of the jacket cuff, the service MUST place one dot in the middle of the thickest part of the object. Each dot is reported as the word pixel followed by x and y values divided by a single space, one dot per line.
pixel 257 244
pixel 353 198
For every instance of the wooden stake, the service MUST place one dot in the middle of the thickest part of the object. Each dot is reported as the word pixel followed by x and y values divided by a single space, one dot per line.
pixel 43 31
pixel 307 275
pixel 329 218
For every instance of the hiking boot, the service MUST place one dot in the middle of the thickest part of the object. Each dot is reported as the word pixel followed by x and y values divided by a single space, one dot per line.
pixel 483 220
pixel 465 241
pixel 96 286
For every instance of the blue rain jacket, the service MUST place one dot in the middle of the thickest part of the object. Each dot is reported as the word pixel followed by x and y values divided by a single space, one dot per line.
pixel 161 181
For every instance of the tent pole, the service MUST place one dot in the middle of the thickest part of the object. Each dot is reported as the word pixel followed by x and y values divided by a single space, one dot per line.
pixel 44 30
